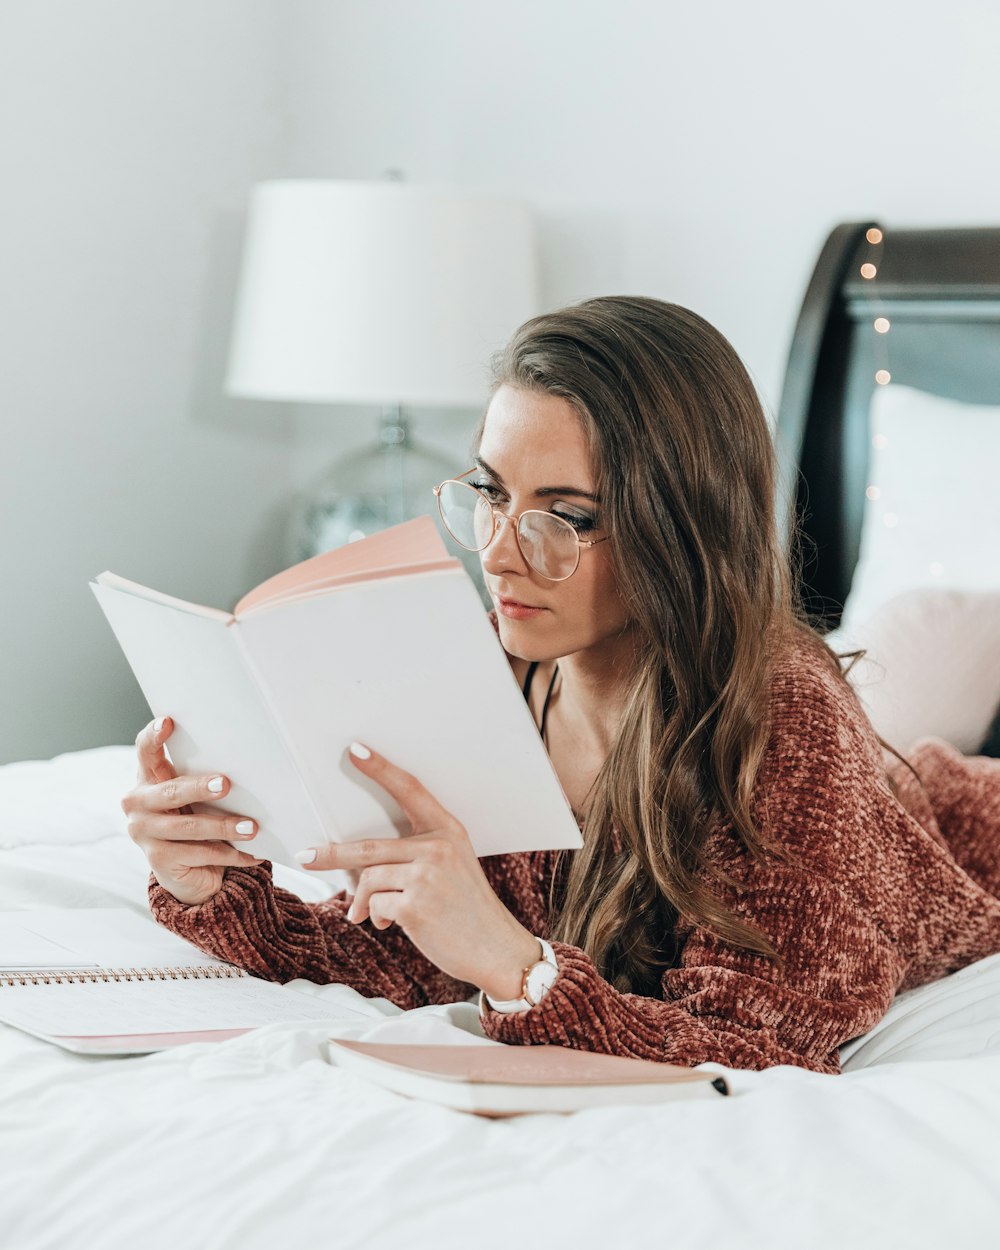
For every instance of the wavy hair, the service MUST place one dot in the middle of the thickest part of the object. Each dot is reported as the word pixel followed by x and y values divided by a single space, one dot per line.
pixel 686 472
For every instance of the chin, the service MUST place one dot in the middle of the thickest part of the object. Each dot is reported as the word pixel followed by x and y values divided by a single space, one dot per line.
pixel 523 640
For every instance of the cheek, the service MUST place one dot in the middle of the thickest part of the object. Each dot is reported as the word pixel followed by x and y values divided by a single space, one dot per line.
pixel 597 599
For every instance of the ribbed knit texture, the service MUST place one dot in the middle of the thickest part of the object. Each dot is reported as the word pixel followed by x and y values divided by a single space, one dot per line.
pixel 884 894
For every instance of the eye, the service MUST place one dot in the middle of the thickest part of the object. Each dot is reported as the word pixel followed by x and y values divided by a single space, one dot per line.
pixel 487 489
pixel 581 522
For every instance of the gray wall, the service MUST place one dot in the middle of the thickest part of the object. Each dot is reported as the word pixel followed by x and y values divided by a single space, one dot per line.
pixel 698 153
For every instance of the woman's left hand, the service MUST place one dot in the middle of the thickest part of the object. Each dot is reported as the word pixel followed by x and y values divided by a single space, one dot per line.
pixel 432 885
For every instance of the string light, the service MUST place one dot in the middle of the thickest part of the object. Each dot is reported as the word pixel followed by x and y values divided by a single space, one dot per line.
pixel 882 325
pixel 872 492
pixel 868 270
pixel 883 377
pixel 874 235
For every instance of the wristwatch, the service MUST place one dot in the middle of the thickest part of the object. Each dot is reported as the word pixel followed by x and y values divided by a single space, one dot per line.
pixel 536 981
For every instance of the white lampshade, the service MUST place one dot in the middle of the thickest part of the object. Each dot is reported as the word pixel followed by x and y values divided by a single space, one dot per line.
pixel 378 292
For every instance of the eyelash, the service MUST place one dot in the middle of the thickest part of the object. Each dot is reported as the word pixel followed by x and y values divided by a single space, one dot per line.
pixel 582 524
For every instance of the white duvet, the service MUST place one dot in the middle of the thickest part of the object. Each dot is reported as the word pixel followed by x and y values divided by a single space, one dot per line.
pixel 261 1142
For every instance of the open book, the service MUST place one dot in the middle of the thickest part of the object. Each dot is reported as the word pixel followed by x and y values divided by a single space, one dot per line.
pixel 512 1080
pixel 384 641
pixel 109 981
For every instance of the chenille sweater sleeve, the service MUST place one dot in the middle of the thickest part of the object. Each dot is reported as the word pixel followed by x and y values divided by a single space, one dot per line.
pixel 277 936
pixel 831 914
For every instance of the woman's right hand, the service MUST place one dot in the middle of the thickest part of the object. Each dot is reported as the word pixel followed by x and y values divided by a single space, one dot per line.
pixel 188 853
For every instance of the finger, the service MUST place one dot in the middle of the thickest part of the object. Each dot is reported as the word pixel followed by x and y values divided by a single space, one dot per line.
pixel 171 859
pixel 384 908
pixel 175 794
pixel 171 827
pixel 360 854
pixel 153 763
pixel 376 880
pixel 167 796
pixel 418 804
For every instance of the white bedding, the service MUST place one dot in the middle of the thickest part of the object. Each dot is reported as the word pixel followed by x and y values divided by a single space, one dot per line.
pixel 261 1142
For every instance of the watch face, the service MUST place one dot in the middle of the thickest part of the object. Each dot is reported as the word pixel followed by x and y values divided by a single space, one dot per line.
pixel 540 980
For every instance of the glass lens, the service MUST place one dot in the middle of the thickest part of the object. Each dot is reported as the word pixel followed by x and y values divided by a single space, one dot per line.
pixel 548 544
pixel 466 514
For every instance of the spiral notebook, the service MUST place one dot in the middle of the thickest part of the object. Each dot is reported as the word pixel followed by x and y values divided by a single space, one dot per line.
pixel 110 981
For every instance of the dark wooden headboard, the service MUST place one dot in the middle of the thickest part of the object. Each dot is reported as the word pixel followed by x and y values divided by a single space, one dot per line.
pixel 940 292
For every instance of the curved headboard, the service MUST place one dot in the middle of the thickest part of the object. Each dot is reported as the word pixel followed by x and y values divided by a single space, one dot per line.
pixel 940 291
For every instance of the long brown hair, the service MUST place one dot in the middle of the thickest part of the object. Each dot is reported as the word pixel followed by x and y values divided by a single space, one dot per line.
pixel 686 473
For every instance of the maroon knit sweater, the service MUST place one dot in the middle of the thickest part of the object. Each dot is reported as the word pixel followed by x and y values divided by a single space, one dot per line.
pixel 887 893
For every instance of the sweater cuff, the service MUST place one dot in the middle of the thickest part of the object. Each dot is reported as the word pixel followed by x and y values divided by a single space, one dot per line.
pixel 239 923
pixel 566 1016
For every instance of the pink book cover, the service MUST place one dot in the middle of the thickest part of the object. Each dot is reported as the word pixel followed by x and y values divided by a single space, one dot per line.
pixel 528 1065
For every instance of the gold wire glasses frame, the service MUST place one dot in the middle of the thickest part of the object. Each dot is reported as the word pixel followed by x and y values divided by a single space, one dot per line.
pixel 549 543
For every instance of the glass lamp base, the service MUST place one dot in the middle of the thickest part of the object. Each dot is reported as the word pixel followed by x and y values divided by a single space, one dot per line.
pixel 374 489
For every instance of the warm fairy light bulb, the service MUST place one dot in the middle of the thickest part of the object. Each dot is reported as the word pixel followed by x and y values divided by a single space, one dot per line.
pixel 868 270
pixel 883 377
pixel 891 520
pixel 880 441
pixel 872 492
pixel 874 235
pixel 882 325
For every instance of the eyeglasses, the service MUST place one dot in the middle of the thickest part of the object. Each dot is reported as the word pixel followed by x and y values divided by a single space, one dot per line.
pixel 549 543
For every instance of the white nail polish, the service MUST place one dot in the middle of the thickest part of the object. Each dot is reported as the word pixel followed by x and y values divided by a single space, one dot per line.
pixel 244 826
pixel 158 727
pixel 305 857
pixel 216 784
pixel 360 751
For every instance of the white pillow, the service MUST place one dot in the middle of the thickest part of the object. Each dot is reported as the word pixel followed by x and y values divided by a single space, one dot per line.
pixel 931 668
pixel 957 1017
pixel 935 520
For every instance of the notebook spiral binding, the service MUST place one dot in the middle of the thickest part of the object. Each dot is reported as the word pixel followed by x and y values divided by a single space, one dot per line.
pixel 197 973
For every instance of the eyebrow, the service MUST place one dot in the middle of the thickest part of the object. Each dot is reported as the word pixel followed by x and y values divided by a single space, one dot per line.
pixel 542 490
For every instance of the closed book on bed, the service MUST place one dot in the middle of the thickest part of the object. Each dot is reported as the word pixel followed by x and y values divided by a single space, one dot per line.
pixel 384 641
pixel 497 1080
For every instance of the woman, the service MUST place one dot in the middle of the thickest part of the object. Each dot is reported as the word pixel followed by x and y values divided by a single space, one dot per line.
pixel 754 887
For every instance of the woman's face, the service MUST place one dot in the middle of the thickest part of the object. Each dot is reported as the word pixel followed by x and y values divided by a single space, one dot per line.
pixel 533 441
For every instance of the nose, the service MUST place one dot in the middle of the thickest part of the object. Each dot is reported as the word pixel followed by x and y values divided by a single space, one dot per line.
pixel 503 554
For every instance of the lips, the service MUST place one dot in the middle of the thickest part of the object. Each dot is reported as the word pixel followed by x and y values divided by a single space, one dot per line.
pixel 516 603
pixel 514 610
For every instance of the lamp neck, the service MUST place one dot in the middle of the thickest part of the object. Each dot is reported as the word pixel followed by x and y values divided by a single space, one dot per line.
pixel 394 427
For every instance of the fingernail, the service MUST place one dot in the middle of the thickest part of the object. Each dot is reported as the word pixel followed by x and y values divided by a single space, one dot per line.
pixel 350 913
pixel 360 751
pixel 157 727
pixel 244 828
pixel 216 784
pixel 306 857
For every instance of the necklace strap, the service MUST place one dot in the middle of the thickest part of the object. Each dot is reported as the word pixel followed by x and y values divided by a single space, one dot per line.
pixel 545 705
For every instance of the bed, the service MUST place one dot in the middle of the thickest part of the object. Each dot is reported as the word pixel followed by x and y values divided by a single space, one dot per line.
pixel 261 1141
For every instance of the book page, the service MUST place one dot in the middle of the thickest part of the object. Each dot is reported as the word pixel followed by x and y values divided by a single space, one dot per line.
pixel 92 937
pixel 108 1008
pixel 191 668
pixel 412 667
pixel 114 582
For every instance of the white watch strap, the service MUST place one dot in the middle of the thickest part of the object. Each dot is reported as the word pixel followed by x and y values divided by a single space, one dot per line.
pixel 509 1006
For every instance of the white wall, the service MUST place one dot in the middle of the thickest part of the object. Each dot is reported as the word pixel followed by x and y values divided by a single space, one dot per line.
pixel 130 134
pixel 698 153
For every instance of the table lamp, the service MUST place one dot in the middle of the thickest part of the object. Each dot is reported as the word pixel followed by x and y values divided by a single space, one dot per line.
pixel 384 293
